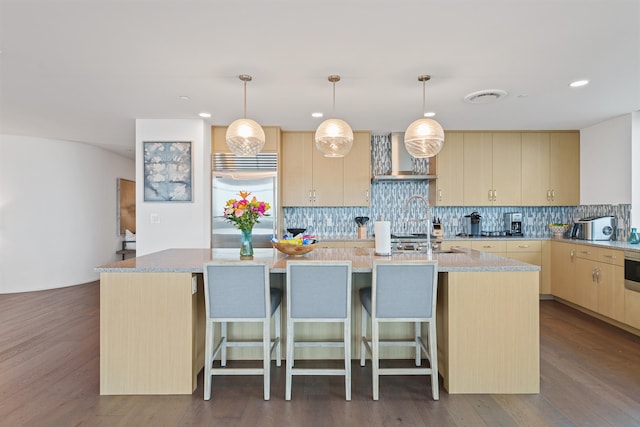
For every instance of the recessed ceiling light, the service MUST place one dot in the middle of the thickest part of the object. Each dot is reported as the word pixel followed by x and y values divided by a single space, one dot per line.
pixel 579 83
pixel 317 115
pixel 205 115
pixel 429 114
pixel 184 97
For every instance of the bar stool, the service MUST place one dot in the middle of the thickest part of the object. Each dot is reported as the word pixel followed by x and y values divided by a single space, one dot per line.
pixel 239 291
pixel 318 292
pixel 401 291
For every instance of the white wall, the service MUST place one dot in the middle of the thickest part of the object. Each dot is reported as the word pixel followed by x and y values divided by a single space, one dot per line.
pixel 605 162
pixel 57 211
pixel 635 170
pixel 181 224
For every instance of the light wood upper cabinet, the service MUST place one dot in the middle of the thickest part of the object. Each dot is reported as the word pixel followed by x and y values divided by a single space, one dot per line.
pixel 448 187
pixel 357 171
pixel 492 168
pixel 297 168
pixel 219 143
pixel 310 179
pixel 564 168
pixel 550 168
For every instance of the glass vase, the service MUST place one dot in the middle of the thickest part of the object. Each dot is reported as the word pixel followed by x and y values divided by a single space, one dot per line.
pixel 246 244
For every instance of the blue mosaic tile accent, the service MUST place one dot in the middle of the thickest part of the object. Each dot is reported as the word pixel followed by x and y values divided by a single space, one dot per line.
pixel 388 200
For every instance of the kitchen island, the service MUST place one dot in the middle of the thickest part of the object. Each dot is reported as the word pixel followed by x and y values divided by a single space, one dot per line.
pixel 152 319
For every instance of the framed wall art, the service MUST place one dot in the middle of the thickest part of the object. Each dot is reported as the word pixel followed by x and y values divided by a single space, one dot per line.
pixel 168 173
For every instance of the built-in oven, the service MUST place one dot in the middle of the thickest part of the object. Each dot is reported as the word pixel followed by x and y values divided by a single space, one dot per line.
pixel 632 271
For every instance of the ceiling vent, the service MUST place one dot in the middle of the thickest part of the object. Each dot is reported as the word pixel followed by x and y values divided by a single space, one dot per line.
pixel 485 96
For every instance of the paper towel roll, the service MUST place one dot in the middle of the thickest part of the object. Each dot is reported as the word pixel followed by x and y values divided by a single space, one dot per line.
pixel 382 230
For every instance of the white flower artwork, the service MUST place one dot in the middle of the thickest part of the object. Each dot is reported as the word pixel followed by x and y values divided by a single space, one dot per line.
pixel 167 171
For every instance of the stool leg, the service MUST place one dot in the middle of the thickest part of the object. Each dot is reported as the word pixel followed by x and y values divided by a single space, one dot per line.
pixel 278 321
pixel 375 359
pixel 289 361
pixel 433 354
pixel 347 358
pixel 416 335
pixel 209 341
pixel 363 330
pixel 266 356
pixel 223 350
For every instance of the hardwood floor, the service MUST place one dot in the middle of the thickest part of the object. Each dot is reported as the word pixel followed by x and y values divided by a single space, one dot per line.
pixel 49 374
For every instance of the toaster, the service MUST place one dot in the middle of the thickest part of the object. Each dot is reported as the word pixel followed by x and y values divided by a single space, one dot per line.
pixel 595 228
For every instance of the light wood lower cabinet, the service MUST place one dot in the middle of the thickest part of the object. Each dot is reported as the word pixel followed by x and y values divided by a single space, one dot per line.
pixel 563 270
pixel 632 308
pixel 593 278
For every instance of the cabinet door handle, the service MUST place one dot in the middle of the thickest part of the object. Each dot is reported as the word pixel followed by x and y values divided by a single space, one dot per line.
pixel 495 195
pixel 523 246
pixel 572 253
pixel 440 195
pixel 597 275
pixel 611 256
pixel 489 196
pixel 487 246
pixel 553 194
pixel 549 195
pixel 586 252
pixel 593 274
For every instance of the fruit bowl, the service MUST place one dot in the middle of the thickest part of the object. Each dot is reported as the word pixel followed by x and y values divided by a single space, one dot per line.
pixel 294 250
pixel 558 229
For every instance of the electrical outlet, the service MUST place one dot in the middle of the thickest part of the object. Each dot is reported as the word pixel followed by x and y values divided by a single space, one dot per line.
pixel 154 218
pixel 309 222
pixel 454 222
pixel 529 220
pixel 329 222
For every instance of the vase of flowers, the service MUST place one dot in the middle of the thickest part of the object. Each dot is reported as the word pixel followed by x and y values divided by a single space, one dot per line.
pixel 244 214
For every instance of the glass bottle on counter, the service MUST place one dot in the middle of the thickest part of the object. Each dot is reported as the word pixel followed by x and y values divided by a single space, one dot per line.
pixel 633 237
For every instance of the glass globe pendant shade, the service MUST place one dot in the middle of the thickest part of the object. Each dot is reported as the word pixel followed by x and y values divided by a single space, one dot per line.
pixel 424 138
pixel 334 138
pixel 245 137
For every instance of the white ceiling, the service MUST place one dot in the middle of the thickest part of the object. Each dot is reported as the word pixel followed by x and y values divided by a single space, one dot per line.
pixel 84 70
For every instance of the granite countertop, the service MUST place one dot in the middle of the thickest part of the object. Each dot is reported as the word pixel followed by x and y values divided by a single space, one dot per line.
pixel 625 246
pixel 192 260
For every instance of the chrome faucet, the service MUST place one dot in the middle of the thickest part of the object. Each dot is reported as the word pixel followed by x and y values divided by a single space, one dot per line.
pixel 427 217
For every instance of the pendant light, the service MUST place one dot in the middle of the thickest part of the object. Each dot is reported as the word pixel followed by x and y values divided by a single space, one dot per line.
pixel 245 137
pixel 424 137
pixel 334 137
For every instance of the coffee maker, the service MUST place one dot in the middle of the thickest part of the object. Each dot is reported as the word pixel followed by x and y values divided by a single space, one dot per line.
pixel 513 223
pixel 472 224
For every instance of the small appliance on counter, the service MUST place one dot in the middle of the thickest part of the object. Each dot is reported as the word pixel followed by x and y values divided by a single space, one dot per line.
pixel 513 223
pixel 472 224
pixel 438 231
pixel 362 226
pixel 595 228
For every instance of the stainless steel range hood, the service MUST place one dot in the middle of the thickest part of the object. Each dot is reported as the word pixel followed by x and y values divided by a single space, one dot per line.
pixel 401 163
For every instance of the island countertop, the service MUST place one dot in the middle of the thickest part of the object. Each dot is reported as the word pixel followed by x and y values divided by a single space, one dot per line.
pixel 191 260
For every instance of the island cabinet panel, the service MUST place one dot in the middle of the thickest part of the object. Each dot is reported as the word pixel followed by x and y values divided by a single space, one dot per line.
pixel 448 187
pixel 492 168
pixel 271 142
pixel 151 333
pixel 311 179
pixel 485 307
pixel 563 270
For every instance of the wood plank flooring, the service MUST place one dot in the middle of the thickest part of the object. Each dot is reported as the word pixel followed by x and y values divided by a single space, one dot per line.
pixel 49 375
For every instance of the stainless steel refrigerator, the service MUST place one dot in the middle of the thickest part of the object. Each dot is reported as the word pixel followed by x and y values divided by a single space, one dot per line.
pixel 227 184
